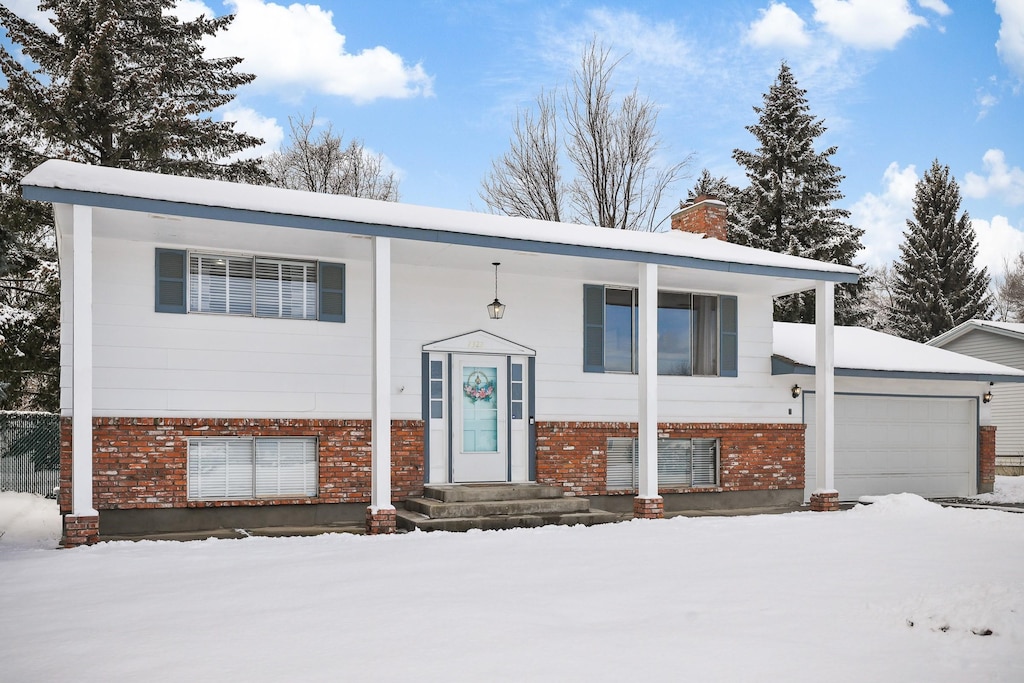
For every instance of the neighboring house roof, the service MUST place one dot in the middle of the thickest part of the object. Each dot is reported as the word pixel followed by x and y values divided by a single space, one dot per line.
pixel 72 183
pixel 860 352
pixel 1011 330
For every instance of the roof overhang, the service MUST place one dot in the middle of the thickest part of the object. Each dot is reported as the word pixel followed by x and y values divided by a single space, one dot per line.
pixel 785 366
pixel 975 325
pixel 68 183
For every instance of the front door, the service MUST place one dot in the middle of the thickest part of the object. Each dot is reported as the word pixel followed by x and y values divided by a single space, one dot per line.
pixel 480 419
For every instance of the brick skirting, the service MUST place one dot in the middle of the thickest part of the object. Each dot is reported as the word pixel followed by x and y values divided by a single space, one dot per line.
pixel 141 463
pixel 381 520
pixel 826 501
pixel 753 457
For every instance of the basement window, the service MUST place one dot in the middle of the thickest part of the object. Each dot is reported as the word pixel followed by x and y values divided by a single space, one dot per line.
pixel 250 468
pixel 682 463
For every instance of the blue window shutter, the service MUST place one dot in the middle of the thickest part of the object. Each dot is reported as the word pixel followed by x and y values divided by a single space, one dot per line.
pixel 171 271
pixel 593 328
pixel 729 336
pixel 332 292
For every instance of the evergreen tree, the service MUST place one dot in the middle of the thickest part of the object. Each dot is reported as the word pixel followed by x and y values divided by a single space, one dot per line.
pixel 736 200
pixel 936 285
pixel 115 83
pixel 791 196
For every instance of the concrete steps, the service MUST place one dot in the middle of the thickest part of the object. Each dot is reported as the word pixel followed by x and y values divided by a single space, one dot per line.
pixel 461 507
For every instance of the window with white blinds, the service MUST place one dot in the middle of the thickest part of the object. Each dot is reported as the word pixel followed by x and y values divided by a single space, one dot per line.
pixel 240 468
pixel 683 463
pixel 238 285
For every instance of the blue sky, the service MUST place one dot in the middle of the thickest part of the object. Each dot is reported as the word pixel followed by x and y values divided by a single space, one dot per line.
pixel 434 85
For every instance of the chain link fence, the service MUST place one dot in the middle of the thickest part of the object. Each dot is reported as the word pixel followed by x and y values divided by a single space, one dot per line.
pixel 30 452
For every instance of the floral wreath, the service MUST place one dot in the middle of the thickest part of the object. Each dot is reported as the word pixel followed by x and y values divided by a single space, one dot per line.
pixel 478 387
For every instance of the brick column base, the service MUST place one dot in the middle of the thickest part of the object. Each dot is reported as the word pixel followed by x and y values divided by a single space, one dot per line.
pixel 826 501
pixel 648 508
pixel 381 520
pixel 80 531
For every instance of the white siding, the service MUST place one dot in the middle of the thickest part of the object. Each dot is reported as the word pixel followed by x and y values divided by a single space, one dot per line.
pixel 161 364
pixel 1008 402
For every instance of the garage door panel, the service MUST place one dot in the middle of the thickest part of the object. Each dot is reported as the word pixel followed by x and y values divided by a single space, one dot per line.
pixel 891 444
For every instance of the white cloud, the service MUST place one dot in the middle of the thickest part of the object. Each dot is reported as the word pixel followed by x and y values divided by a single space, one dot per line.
pixel 779 26
pixel 883 217
pixel 998 243
pixel 1000 180
pixel 250 121
pixel 299 48
pixel 937 6
pixel 29 9
pixel 187 10
pixel 985 101
pixel 867 24
pixel 1010 45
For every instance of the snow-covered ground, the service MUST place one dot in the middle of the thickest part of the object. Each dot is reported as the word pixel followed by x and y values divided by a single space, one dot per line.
pixel 1007 490
pixel 893 591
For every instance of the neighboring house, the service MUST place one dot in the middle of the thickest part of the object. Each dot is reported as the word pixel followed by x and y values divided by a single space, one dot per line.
pixel 907 415
pixel 252 356
pixel 999 342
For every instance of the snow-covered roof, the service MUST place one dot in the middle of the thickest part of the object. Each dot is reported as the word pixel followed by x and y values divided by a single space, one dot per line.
pixel 1012 330
pixel 861 352
pixel 72 183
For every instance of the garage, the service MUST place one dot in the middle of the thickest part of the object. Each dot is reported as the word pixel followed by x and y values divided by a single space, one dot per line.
pixel 908 417
pixel 892 444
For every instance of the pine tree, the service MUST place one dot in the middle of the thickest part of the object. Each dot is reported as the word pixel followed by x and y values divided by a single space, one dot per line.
pixel 736 200
pixel 792 193
pixel 116 83
pixel 936 285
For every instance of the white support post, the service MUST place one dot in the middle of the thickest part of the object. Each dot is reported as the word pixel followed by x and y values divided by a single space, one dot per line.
pixel 824 388
pixel 81 393
pixel 647 357
pixel 380 441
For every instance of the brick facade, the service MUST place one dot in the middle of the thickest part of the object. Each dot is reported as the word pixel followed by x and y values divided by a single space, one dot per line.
pixel 826 501
pixel 381 520
pixel 753 457
pixel 141 463
pixel 986 459
pixel 649 508
pixel 80 531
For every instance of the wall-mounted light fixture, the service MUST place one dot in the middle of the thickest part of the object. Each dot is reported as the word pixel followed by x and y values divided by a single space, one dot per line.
pixel 796 391
pixel 986 397
pixel 495 309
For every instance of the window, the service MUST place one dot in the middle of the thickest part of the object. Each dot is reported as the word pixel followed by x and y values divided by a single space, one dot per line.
pixel 682 463
pixel 696 332
pixel 244 468
pixel 249 285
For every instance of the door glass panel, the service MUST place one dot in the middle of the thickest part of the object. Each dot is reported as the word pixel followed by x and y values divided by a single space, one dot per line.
pixel 479 409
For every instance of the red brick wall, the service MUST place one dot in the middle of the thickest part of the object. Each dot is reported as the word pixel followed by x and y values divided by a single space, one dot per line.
pixel 753 457
pixel 986 459
pixel 142 462
pixel 710 218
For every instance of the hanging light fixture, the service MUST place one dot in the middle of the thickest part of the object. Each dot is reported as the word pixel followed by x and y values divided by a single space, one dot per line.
pixel 495 309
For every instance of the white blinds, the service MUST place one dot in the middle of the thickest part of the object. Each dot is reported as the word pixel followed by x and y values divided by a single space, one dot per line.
pixel 681 463
pixel 219 468
pixel 285 289
pixel 230 468
pixel 285 467
pixel 269 288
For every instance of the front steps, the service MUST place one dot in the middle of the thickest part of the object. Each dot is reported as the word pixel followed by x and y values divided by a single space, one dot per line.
pixel 461 507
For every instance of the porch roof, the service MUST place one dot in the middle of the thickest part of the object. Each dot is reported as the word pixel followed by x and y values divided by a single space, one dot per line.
pixel 66 182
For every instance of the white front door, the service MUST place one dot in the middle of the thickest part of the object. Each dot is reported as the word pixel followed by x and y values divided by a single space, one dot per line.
pixel 480 419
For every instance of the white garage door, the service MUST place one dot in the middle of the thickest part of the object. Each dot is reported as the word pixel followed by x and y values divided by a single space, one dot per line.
pixel 892 444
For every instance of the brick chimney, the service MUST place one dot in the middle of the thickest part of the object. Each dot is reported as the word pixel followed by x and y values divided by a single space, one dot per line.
pixel 705 215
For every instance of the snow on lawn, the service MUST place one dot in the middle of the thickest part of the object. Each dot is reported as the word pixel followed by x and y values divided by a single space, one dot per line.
pixel 28 521
pixel 1007 490
pixel 893 591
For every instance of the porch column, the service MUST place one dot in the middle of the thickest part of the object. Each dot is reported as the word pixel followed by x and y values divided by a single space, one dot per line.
pixel 380 515
pixel 648 503
pixel 825 497
pixel 83 524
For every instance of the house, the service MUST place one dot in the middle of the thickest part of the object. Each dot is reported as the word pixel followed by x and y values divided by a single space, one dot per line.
pixel 239 356
pixel 907 416
pixel 1003 343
